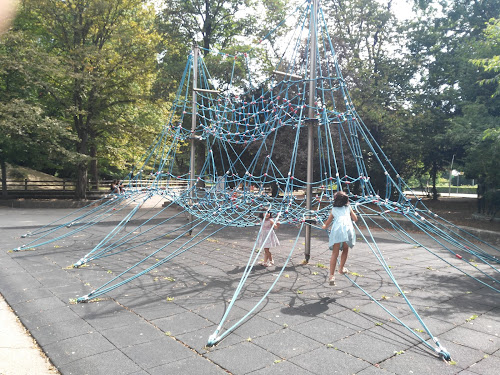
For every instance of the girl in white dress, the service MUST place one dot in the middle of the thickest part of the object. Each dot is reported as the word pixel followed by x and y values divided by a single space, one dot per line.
pixel 341 233
pixel 268 225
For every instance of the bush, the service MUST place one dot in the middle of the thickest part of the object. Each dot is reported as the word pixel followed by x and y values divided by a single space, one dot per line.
pixel 490 202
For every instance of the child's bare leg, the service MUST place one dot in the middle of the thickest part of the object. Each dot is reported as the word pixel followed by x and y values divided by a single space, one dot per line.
pixel 343 257
pixel 267 255
pixel 333 259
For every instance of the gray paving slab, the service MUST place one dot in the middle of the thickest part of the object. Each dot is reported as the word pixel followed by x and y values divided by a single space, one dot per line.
pixel 374 370
pixel 436 326
pixel 324 331
pixel 113 319
pixel 286 343
pixel 472 338
pixel 61 330
pixel 269 303
pixel 51 316
pixel 190 365
pixel 456 312
pixel 463 357
pixel 154 309
pixel 181 323
pixel 353 320
pixel 489 365
pixel 418 364
pixel 286 316
pixel 20 281
pixel 281 367
pixel 37 305
pixel 372 347
pixel 256 326
pixel 250 357
pixel 160 322
pixel 325 306
pixel 197 340
pixel 328 360
pixel 70 290
pixel 488 322
pixel 14 295
pixel 132 334
pixel 110 362
pixel 394 308
pixel 156 353
pixel 215 311
pixel 72 349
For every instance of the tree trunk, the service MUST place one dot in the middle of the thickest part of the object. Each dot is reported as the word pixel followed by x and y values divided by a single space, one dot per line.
pixel 82 167
pixel 481 189
pixel 93 168
pixel 81 182
pixel 433 177
pixel 4 179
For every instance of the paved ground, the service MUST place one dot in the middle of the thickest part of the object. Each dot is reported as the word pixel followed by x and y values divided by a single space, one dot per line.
pixel 160 322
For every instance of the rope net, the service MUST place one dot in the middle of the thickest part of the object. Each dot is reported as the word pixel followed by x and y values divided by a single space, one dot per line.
pixel 243 118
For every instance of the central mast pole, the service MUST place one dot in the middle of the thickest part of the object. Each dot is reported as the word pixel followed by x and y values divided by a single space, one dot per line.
pixel 193 129
pixel 311 122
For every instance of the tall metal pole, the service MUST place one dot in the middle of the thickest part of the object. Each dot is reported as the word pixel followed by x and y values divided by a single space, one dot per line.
pixel 193 128
pixel 311 123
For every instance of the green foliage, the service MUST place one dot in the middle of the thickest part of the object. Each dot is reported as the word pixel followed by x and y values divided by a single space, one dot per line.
pixel 217 25
pixel 491 64
pixel 482 158
pixel 450 108
pixel 30 137
pixel 378 71
pixel 83 82
pixel 90 65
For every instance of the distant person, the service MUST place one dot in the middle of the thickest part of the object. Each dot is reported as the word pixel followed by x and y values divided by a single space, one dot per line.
pixel 267 237
pixel 117 187
pixel 120 187
pixel 341 232
pixel 114 187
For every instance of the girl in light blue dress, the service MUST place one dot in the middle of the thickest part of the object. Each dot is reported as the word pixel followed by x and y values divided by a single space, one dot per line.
pixel 341 232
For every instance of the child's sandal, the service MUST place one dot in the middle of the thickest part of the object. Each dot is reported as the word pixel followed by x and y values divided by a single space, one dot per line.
pixel 332 280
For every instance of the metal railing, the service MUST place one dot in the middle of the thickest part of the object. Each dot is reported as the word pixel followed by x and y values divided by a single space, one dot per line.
pixel 27 184
pixel 104 185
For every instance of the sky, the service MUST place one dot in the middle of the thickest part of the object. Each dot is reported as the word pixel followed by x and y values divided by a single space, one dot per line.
pixel 402 8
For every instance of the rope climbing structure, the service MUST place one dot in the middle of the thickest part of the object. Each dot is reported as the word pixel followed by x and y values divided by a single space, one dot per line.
pixel 236 124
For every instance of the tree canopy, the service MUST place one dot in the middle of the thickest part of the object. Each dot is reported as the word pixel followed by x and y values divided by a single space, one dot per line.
pixel 85 84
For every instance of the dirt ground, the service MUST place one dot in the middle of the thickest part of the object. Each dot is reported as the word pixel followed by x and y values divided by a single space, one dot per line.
pixel 460 212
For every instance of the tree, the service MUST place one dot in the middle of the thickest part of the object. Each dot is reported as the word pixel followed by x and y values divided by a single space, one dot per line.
pixel 27 136
pixel 103 60
pixel 219 23
pixel 442 43
pixel 213 25
pixel 491 64
pixel 484 144
pixel 369 41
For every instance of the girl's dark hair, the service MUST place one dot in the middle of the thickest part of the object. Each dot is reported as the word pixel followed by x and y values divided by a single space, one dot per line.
pixel 340 199
pixel 261 214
